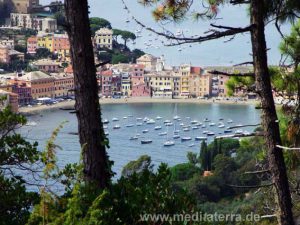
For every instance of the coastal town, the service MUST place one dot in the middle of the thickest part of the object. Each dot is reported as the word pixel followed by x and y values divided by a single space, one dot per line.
pixel 49 78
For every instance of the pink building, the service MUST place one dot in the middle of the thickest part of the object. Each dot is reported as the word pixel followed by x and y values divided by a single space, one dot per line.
pixel 106 83
pixel 137 70
pixel 4 54
pixel 139 87
pixel 31 45
pixel 222 85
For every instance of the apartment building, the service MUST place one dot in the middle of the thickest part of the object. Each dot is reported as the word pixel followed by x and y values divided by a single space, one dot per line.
pixel 103 38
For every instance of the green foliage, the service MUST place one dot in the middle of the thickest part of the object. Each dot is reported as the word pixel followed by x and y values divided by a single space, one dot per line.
pixel 240 82
pixel 16 155
pixel 42 53
pixel 184 171
pixel 137 166
pixel 119 58
pixel 96 23
pixel 192 157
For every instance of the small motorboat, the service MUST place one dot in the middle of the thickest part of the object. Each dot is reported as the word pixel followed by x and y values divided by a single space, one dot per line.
pixel 115 119
pixel 227 131
pixel 221 119
pixel 186 138
pixel 145 131
pixel 105 127
pixel 162 133
pixel 210 133
pixel 176 131
pixel 169 143
pixel 105 121
pixel 176 136
pixel 145 119
pixel 124 117
pixel 203 126
pixel 146 141
pixel 167 121
pixel 186 126
pixel 157 128
pixel 106 133
pixel 239 132
pixel 191 145
pixel 158 117
pixel 151 121
pixel 186 129
pixel 116 127
pixel 133 138
pixel 205 131
pixel 195 128
pixel 139 124
pixel 181 124
pixel 212 124
pixel 169 124
pixel 229 121
pixel 138 119
pixel 221 126
pixel 200 138
pixel 129 125
pixel 194 122
pixel 176 117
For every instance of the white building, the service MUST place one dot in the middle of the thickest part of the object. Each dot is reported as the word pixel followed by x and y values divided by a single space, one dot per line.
pixel 103 38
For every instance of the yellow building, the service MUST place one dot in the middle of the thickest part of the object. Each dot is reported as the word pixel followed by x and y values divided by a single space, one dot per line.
pixel 184 72
pixel 103 38
pixel 161 84
pixel 45 41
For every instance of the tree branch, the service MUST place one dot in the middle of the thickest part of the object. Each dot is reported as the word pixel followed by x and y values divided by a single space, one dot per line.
pixel 216 72
pixel 251 186
pixel 248 125
pixel 286 148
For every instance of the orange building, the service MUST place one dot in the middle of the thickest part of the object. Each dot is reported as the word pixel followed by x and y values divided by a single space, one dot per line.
pixel 63 85
pixel 11 100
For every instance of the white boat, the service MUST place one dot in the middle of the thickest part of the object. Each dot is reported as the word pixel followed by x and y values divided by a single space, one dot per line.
pixel 130 115
pixel 221 126
pixel 146 141
pixel 186 129
pixel 106 133
pixel 169 143
pixel 176 136
pixel 145 119
pixel 229 121
pixel 239 132
pixel 129 125
pixel 203 126
pixel 227 131
pixel 186 126
pixel 176 117
pixel 157 128
pixel 167 121
pixel 115 119
pixel 158 118
pixel 210 133
pixel 162 134
pixel 176 131
pixel 186 138
pixel 212 124
pixel 194 122
pixel 205 131
pixel 139 124
pixel 124 117
pixel 150 121
pixel 133 138
pixel 191 145
pixel 169 124
pixel 195 128
pixel 145 131
pixel 105 121
pixel 116 127
pixel 31 123
pixel 105 127
pixel 138 119
pixel 200 138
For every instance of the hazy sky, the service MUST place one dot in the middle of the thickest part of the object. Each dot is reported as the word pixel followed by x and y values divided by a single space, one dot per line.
pixel 214 52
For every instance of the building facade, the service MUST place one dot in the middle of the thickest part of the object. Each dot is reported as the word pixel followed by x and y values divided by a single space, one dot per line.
pixel 103 38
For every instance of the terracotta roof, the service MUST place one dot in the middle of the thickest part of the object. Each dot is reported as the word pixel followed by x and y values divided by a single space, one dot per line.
pixel 196 69
pixel 107 73
pixel 69 69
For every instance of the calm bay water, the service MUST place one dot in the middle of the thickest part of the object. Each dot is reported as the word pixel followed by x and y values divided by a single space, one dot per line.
pixel 122 150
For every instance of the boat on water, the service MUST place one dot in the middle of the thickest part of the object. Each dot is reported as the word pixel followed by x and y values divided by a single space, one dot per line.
pixel 194 122
pixel 191 145
pixel 168 124
pixel 133 138
pixel 239 132
pixel 105 127
pixel 124 117
pixel 221 126
pixel 200 138
pixel 221 119
pixel 116 127
pixel 212 124
pixel 105 121
pixel 181 124
pixel 176 117
pixel 205 131
pixel 176 131
pixel 167 121
pixel 115 119
pixel 195 128
pixel 186 129
pixel 162 134
pixel 158 118
pixel 139 124
pixel 206 120
pixel 151 121
pixel 146 141
pixel 129 125
pixel 106 133
pixel 186 138
pixel 176 136
pixel 138 119
pixel 157 128
pixel 203 126
pixel 210 133
pixel 227 131
pixel 169 143
pixel 229 121
pixel 145 119
pixel 186 126
pixel 31 123
pixel 145 131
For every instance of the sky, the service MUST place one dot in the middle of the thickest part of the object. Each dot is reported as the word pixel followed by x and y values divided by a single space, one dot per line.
pixel 215 52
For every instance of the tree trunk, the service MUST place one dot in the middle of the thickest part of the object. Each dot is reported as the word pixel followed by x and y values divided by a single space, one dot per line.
pixel 91 133
pixel 269 116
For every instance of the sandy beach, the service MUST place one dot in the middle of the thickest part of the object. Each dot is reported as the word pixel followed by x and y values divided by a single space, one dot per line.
pixel 70 104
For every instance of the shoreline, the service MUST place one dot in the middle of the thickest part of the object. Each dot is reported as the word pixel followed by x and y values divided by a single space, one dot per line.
pixel 68 104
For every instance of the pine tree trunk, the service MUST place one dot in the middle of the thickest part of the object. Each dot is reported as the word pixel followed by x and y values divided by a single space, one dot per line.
pixel 91 133
pixel 269 116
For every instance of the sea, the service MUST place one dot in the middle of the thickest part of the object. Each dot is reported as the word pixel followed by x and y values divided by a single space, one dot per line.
pixel 123 150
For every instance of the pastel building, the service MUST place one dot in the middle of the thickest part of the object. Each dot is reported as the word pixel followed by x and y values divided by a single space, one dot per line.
pixel 32 44
pixel 184 72
pixel 106 83
pixel 8 43
pixel 126 84
pixel 200 84
pixel 21 6
pixel 46 65
pixel 63 85
pixel 103 38
pixel 23 90
pixel 11 100
pixel 149 62
pixel 161 84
